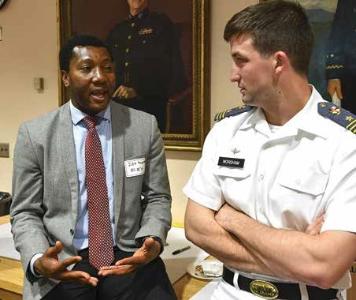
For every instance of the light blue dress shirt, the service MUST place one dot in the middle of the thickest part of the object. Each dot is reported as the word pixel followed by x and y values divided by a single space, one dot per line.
pixel 104 129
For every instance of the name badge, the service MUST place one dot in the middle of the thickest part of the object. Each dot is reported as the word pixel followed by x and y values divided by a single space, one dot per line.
pixel 231 162
pixel 135 167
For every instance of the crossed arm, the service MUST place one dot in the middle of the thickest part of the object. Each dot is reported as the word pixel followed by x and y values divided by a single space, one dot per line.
pixel 243 243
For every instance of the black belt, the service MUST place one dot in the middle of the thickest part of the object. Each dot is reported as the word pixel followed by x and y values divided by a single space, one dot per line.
pixel 274 290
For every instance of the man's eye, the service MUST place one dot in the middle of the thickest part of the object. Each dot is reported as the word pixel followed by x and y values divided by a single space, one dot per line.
pixel 85 68
pixel 239 60
pixel 240 63
pixel 108 68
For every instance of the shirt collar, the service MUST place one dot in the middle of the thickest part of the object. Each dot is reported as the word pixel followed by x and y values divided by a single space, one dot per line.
pixel 256 119
pixel 307 119
pixel 77 115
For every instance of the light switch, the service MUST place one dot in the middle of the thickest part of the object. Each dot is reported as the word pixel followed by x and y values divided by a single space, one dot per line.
pixel 4 149
pixel 38 83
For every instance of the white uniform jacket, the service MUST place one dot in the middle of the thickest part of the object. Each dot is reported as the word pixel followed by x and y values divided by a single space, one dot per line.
pixel 287 175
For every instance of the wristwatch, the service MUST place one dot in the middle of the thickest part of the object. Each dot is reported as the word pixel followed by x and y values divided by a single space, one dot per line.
pixel 2 3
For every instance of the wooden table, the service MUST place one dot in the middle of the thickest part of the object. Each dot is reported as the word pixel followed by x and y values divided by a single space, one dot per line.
pixel 187 286
pixel 11 275
pixel 11 280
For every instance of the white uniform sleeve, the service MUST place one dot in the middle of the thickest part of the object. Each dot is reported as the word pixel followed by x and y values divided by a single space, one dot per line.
pixel 341 189
pixel 203 186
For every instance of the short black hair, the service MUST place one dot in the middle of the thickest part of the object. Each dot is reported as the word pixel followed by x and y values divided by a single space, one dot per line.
pixel 66 52
pixel 276 25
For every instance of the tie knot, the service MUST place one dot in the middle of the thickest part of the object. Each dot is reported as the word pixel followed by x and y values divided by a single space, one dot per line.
pixel 89 122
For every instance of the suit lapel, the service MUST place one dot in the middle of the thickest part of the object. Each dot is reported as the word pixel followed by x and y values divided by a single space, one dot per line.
pixel 118 119
pixel 67 147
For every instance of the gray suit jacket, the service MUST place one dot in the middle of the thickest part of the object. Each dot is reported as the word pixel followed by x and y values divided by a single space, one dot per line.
pixel 45 185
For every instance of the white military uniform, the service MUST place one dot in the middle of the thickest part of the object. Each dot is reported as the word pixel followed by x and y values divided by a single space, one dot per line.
pixel 290 175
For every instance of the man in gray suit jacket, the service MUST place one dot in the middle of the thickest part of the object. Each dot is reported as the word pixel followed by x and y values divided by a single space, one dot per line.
pixel 49 213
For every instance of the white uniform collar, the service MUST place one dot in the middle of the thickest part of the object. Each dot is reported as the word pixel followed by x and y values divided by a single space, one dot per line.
pixel 308 120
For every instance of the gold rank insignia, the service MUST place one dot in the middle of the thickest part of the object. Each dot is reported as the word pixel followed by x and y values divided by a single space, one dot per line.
pixel 264 289
pixel 335 110
pixel 232 112
pixel 339 115
pixel 334 67
pixel 145 31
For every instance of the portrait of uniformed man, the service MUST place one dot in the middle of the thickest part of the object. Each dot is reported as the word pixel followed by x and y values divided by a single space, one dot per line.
pixel 152 47
pixel 149 66
pixel 341 55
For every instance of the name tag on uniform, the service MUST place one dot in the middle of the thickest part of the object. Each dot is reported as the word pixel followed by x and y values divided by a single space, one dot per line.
pixel 231 162
pixel 135 167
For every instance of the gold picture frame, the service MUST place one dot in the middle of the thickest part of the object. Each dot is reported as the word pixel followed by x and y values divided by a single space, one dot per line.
pixel 186 131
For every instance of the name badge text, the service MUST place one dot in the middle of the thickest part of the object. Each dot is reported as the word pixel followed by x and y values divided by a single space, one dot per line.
pixel 231 162
pixel 135 167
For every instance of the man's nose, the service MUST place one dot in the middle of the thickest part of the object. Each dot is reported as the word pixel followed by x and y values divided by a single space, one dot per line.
pixel 98 74
pixel 234 75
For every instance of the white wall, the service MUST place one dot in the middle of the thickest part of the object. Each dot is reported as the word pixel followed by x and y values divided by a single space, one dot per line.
pixel 29 49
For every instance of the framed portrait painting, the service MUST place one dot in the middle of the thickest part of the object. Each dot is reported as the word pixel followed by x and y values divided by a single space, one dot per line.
pixel 161 59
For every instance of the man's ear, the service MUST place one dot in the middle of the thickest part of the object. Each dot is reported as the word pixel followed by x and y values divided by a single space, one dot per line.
pixel 281 61
pixel 65 78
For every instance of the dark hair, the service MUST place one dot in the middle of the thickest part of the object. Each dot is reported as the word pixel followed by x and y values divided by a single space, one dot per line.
pixel 275 26
pixel 66 52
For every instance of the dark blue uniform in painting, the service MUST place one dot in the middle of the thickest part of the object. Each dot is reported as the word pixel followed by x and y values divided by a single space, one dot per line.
pixel 320 20
pixel 341 53
pixel 147 56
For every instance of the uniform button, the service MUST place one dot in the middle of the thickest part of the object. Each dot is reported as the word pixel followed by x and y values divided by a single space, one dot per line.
pixel 261 177
pixel 144 42
pixel 127 50
pixel 71 231
pixel 129 37
pixel 132 24
pixel 126 64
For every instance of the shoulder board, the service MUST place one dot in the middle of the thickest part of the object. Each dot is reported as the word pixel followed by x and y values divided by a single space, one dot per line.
pixel 339 115
pixel 232 112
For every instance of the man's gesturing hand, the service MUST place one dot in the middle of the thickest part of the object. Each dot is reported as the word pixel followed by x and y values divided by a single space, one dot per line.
pixel 49 266
pixel 149 250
